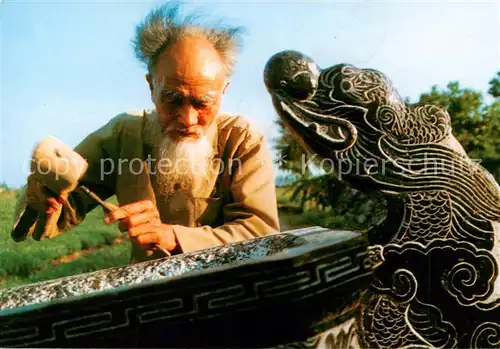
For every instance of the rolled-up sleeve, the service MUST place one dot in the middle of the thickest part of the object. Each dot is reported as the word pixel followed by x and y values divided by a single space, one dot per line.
pixel 252 211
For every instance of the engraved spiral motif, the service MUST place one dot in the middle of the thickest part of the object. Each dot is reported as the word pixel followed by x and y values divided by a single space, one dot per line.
pixel 388 119
pixel 404 286
pixel 364 85
pixel 470 285
pixel 487 335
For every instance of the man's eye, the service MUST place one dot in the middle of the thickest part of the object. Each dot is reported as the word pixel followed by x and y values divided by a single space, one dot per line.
pixel 201 104
pixel 172 98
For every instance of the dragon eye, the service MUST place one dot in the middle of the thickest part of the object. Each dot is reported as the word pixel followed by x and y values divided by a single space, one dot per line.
pixel 302 86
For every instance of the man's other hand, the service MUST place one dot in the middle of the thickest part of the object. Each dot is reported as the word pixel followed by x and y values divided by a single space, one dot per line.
pixel 141 220
pixel 41 198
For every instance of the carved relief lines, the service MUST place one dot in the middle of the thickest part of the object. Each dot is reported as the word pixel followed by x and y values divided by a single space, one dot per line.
pixel 233 295
pixel 347 267
pixel 247 292
pixel 465 227
pixel 486 335
pixel 10 337
pixel 70 328
pixel 177 307
pixel 471 279
pixel 340 336
pixel 431 216
pixel 364 86
pixel 289 283
pixel 372 258
pixel 495 295
pixel 427 323
pixel 101 322
pixel 163 310
pixel 386 325
pixel 322 274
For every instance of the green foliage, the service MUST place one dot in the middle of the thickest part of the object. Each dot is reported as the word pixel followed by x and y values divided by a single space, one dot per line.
pixel 333 198
pixel 106 257
pixel 293 154
pixel 328 220
pixel 494 89
pixel 475 123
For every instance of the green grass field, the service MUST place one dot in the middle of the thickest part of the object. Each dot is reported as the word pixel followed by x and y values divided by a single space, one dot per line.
pixel 88 247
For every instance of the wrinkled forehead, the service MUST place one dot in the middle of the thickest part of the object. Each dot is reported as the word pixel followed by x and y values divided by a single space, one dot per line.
pixel 203 91
pixel 186 72
pixel 191 61
pixel 205 78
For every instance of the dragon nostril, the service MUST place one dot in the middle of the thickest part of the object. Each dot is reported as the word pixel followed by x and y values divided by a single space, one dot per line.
pixel 302 86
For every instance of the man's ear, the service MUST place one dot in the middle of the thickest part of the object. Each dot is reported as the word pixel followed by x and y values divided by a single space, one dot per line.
pixel 149 78
pixel 225 87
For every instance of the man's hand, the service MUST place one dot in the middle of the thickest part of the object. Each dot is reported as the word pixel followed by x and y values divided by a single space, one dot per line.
pixel 41 198
pixel 141 220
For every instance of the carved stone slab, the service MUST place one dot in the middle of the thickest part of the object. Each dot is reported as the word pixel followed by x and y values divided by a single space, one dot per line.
pixel 267 292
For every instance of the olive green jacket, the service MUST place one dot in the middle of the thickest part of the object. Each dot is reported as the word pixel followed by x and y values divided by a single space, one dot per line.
pixel 238 203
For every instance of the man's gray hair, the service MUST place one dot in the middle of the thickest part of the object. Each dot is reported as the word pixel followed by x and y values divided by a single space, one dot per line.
pixel 163 26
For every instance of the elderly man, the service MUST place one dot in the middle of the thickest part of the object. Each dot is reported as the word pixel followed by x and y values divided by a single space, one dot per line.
pixel 186 176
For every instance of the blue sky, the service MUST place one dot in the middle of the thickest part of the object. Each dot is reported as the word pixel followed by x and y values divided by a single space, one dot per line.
pixel 68 67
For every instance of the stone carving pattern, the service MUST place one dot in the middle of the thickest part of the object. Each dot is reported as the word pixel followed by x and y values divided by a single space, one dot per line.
pixel 249 291
pixel 155 270
pixel 343 335
pixel 438 283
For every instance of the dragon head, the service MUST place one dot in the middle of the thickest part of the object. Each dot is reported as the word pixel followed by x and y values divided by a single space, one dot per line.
pixel 295 84
pixel 352 115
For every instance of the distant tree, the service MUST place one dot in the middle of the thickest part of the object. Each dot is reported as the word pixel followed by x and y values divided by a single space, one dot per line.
pixel 475 123
pixel 495 86
pixel 294 159
pixel 292 156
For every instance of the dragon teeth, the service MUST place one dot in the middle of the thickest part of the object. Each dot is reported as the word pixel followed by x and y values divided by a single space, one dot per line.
pixel 313 126
pixel 341 133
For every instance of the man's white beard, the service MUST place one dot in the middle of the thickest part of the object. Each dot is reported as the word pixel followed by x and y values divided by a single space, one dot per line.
pixel 183 165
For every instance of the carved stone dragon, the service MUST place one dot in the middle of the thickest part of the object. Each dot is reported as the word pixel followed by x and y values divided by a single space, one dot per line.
pixel 438 284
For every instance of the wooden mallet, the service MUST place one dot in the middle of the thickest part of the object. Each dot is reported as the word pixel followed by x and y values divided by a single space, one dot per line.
pixel 58 168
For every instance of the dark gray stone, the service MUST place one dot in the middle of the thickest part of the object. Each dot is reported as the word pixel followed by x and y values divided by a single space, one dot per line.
pixel 438 282
pixel 259 283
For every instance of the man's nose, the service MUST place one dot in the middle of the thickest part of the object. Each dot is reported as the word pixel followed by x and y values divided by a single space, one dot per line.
pixel 188 116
